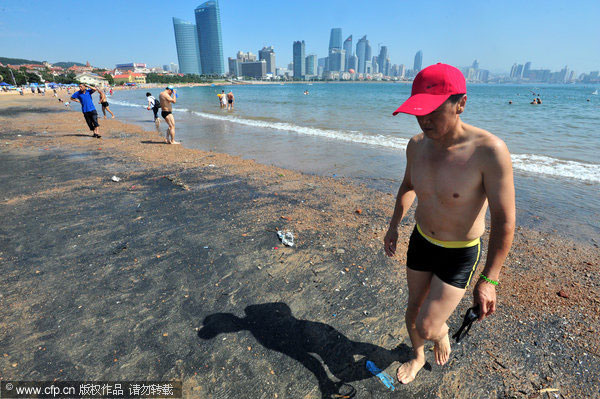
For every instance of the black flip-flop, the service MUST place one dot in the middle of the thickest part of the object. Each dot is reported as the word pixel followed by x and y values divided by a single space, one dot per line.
pixel 471 315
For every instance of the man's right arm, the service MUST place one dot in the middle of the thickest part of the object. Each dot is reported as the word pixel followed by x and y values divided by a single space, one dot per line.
pixel 404 199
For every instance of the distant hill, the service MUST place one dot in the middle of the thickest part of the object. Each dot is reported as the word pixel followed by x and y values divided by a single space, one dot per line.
pixel 17 61
pixel 67 64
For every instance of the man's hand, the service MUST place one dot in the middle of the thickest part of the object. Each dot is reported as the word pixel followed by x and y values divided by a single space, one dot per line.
pixel 484 295
pixel 390 241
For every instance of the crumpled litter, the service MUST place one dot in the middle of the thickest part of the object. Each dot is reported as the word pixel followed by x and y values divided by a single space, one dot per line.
pixel 115 178
pixel 286 237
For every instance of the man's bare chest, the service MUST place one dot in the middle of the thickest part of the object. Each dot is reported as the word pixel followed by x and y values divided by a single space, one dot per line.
pixel 449 178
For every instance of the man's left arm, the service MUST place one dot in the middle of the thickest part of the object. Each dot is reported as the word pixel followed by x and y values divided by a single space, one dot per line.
pixel 500 191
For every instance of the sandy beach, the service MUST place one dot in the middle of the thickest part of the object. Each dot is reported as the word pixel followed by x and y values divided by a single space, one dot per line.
pixel 175 272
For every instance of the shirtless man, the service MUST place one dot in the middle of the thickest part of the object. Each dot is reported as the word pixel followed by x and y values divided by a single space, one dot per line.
pixel 104 103
pixel 230 100
pixel 167 98
pixel 455 170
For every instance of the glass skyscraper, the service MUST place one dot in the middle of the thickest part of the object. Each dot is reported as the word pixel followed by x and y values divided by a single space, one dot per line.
pixel 186 40
pixel 348 49
pixel 299 60
pixel 335 39
pixel 418 62
pixel 361 52
pixel 210 44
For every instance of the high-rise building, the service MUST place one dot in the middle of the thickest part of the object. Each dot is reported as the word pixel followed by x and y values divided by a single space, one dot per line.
pixel 526 69
pixel 475 65
pixel 186 41
pixel 353 63
pixel 299 62
pixel 254 69
pixel 519 72
pixel 210 44
pixel 235 66
pixel 348 49
pixel 268 54
pixel 311 65
pixel 166 68
pixel 361 52
pixel 337 60
pixel 174 67
pixel 382 60
pixel 418 65
pixel 335 39
pixel 246 57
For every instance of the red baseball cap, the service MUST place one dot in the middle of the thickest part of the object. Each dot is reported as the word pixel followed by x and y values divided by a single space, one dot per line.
pixel 431 87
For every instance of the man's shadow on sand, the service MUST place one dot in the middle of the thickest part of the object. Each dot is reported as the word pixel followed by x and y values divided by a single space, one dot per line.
pixel 275 328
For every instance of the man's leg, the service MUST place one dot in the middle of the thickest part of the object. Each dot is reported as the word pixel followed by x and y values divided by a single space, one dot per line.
pixel 171 130
pixel 113 115
pixel 439 304
pixel 104 111
pixel 418 288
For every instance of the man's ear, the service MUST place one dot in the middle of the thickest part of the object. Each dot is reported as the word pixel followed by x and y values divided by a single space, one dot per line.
pixel 460 106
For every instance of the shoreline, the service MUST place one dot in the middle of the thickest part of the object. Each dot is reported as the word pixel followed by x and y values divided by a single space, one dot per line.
pixel 335 274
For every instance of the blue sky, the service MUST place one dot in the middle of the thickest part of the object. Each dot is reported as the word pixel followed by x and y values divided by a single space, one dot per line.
pixel 550 34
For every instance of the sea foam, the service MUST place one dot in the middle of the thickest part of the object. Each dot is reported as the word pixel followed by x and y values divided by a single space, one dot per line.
pixel 529 163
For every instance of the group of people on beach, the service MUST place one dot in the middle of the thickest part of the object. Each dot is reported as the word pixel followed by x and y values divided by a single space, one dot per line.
pixel 226 100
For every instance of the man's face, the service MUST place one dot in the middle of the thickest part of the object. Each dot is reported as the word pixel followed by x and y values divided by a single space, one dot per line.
pixel 439 122
pixel 81 87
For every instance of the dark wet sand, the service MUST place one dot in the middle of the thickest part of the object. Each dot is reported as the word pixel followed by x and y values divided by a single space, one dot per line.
pixel 172 273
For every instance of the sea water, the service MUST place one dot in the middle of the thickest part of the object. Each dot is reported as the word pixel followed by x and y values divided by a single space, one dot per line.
pixel 347 130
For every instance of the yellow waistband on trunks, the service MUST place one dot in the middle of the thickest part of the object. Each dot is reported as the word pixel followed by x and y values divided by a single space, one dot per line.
pixel 449 244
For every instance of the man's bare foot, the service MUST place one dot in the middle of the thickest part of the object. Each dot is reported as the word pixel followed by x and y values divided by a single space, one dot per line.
pixel 408 371
pixel 175 142
pixel 442 350
pixel 113 117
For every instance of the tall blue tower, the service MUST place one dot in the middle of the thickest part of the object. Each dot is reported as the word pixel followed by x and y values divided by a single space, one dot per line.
pixel 186 41
pixel 210 44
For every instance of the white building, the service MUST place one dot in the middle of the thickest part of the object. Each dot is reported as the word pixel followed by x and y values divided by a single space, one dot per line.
pixel 91 79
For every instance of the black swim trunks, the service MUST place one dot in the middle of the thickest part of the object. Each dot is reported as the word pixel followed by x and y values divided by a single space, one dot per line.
pixel 164 114
pixel 91 118
pixel 454 262
pixel 230 101
pixel 104 104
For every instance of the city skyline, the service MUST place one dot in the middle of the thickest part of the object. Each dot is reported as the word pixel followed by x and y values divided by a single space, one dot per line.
pixel 562 36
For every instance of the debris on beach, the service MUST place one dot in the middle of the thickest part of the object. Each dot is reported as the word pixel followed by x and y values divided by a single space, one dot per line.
pixel 178 182
pixel 286 237
pixel 358 211
pixel 563 294
pixel 115 179
pixel 387 380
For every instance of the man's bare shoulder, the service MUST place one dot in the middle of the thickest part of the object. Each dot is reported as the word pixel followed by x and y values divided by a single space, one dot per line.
pixel 488 145
pixel 414 142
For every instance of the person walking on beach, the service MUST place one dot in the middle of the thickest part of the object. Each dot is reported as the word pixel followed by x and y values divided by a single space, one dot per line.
pixel 230 100
pixel 84 97
pixel 104 103
pixel 167 98
pixel 154 105
pixel 455 170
